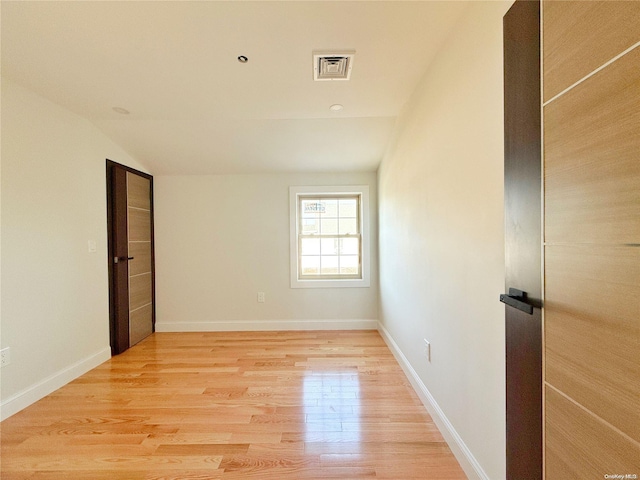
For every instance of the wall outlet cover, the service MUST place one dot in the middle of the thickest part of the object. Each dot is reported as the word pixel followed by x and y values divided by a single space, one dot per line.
pixel 5 357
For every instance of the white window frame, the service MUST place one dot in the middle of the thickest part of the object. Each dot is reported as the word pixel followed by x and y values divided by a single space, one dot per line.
pixel 365 261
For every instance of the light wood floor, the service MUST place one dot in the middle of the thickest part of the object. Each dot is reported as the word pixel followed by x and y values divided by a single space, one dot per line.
pixel 259 405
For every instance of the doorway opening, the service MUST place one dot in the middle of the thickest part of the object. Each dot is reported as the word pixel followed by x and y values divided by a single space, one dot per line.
pixel 132 303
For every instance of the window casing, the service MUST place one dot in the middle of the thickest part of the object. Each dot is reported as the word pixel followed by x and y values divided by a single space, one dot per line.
pixel 329 236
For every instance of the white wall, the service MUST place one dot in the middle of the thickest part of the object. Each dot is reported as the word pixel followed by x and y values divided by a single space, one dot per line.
pixel 441 238
pixel 55 301
pixel 221 239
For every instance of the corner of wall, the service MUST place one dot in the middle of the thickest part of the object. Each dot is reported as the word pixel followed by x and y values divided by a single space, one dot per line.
pixel 463 454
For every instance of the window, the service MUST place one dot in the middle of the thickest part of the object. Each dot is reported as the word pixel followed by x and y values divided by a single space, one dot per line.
pixel 329 236
pixel 329 239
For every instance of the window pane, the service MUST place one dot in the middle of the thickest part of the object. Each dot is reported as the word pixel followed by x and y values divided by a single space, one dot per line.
pixel 348 225
pixel 310 246
pixel 329 246
pixel 331 208
pixel 310 265
pixel 310 226
pixel 349 265
pixel 327 236
pixel 350 246
pixel 328 226
pixel 348 208
pixel 329 265
pixel 311 208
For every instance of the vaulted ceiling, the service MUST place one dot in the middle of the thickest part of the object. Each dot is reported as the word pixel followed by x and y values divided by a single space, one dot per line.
pixel 195 109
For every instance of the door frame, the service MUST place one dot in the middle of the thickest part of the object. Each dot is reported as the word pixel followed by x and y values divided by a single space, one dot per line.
pixel 118 331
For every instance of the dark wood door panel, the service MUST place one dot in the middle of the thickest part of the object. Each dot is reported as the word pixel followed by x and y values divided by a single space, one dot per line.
pixel 522 169
pixel 118 243
pixel 524 394
pixel 523 239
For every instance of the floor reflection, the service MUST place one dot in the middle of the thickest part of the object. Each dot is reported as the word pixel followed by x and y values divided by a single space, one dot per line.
pixel 331 406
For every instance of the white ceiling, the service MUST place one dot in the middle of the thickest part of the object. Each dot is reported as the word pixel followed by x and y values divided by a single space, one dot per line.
pixel 195 109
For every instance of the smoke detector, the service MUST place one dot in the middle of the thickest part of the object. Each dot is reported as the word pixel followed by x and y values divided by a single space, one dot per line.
pixel 332 65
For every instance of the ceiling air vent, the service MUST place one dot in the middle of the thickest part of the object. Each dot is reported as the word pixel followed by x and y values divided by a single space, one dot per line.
pixel 332 65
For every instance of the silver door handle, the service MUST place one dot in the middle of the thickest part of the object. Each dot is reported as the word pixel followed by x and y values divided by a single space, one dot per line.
pixel 121 259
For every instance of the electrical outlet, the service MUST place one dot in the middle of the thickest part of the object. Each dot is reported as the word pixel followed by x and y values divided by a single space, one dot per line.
pixel 5 357
pixel 427 349
pixel 261 297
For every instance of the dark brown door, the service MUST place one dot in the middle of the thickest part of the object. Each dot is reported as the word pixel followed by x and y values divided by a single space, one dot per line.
pixel 523 240
pixel 131 265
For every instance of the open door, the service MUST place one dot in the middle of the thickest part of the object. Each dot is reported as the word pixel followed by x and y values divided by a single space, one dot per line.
pixel 131 256
pixel 523 240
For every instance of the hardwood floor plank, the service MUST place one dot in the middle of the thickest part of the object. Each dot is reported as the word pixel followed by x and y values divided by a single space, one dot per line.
pixel 201 449
pixel 202 474
pixel 69 464
pixel 275 448
pixel 233 405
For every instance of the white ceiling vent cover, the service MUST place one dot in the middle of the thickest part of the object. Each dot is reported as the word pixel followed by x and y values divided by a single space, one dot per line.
pixel 332 65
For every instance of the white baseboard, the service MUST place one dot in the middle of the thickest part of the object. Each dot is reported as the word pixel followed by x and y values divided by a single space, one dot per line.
pixel 462 453
pixel 32 394
pixel 267 325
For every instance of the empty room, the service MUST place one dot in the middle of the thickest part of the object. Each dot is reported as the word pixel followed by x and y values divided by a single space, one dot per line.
pixel 320 239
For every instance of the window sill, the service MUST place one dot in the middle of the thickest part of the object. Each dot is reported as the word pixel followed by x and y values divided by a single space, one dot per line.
pixel 345 283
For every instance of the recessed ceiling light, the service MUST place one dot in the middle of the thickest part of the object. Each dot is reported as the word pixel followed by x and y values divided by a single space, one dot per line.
pixel 243 59
pixel 121 110
pixel 336 107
